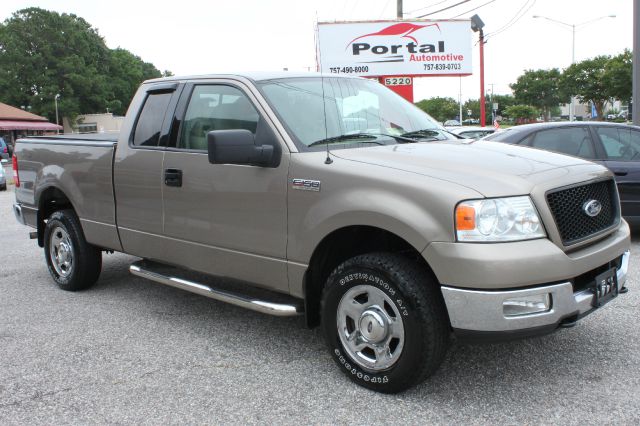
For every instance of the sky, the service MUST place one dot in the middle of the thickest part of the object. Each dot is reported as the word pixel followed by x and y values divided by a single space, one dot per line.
pixel 199 37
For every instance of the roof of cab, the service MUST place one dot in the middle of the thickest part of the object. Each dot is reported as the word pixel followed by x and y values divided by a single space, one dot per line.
pixel 255 76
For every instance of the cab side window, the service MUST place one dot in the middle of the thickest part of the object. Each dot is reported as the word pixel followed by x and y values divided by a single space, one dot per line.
pixel 568 140
pixel 149 124
pixel 620 144
pixel 215 107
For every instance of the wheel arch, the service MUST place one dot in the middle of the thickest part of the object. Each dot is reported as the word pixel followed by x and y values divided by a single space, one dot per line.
pixel 345 243
pixel 50 200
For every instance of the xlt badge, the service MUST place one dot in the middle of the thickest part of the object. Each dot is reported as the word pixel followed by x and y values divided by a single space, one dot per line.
pixel 305 184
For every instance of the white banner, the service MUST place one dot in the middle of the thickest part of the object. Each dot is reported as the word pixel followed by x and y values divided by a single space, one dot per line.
pixel 395 48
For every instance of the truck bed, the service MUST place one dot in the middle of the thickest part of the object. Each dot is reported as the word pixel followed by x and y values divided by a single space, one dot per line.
pixel 83 173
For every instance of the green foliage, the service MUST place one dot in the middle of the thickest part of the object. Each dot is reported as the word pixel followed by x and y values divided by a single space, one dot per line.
pixel 540 88
pixel 586 80
pixel 45 53
pixel 503 101
pixel 618 76
pixel 521 112
pixel 441 109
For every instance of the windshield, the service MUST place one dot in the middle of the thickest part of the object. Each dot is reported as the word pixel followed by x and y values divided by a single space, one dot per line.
pixel 352 107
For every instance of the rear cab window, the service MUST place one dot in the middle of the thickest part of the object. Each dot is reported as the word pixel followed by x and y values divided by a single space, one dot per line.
pixel 150 120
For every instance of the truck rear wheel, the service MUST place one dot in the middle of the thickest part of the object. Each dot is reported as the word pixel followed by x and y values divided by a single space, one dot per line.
pixel 73 263
pixel 384 321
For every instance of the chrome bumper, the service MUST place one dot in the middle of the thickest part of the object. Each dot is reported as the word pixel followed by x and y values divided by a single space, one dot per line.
pixel 483 311
pixel 17 211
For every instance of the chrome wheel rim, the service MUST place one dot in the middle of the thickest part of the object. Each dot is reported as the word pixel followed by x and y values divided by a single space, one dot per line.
pixel 61 251
pixel 370 328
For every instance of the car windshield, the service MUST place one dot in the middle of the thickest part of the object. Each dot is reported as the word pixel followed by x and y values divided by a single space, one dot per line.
pixel 352 106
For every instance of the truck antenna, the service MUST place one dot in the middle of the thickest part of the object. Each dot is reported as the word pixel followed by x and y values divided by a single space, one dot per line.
pixel 328 160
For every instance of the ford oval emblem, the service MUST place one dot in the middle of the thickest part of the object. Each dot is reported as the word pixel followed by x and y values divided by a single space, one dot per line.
pixel 592 208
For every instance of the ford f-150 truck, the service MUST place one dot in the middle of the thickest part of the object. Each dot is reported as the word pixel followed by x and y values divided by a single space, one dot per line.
pixel 334 198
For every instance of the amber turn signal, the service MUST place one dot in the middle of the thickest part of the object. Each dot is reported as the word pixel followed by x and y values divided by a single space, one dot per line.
pixel 465 218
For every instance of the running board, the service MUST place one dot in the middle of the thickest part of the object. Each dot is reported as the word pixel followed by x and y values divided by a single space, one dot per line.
pixel 145 270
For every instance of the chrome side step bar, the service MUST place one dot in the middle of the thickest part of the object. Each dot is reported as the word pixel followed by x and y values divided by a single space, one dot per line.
pixel 143 270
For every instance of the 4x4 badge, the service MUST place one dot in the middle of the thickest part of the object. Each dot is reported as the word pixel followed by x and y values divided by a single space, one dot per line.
pixel 305 184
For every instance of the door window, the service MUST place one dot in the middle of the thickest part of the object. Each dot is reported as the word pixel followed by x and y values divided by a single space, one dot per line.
pixel 565 140
pixel 620 144
pixel 147 131
pixel 215 107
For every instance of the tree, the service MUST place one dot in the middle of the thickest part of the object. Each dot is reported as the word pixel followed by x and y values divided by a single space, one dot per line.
pixel 540 88
pixel 45 53
pixel 442 109
pixel 126 72
pixel 503 102
pixel 521 113
pixel 586 80
pixel 618 76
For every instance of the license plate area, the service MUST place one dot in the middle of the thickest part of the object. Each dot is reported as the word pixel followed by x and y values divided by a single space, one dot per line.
pixel 605 287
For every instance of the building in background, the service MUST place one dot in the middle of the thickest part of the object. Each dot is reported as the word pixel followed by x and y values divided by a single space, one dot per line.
pixel 93 123
pixel 16 123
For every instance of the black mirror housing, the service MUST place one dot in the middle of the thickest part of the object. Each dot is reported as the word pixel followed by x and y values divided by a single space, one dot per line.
pixel 238 146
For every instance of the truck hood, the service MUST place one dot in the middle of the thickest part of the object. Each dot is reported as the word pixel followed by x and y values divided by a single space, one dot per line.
pixel 493 169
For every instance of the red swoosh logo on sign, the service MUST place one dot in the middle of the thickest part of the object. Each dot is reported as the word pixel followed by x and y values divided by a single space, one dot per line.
pixel 402 29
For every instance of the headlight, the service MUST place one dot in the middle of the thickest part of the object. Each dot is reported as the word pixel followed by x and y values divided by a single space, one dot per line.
pixel 498 219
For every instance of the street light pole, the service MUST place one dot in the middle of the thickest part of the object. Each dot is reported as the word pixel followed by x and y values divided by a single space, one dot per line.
pixel 476 26
pixel 55 100
pixel 636 63
pixel 573 46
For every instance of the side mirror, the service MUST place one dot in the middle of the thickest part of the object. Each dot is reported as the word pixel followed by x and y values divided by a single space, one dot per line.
pixel 237 147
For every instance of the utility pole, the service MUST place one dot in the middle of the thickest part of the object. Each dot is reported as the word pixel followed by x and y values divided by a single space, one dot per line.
pixel 483 114
pixel 493 110
pixel 399 8
pixel 636 63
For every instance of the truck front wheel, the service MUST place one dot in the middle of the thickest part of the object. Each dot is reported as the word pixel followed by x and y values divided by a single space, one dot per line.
pixel 73 263
pixel 384 321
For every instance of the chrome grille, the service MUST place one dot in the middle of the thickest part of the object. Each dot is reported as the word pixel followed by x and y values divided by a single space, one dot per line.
pixel 567 206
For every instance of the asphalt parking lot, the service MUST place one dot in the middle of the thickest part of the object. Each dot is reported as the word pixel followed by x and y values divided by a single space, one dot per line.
pixel 131 351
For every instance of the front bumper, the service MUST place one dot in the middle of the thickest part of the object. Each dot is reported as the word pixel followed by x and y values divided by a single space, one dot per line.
pixel 481 313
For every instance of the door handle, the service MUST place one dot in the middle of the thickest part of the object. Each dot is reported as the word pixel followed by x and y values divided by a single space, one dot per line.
pixel 173 177
pixel 620 172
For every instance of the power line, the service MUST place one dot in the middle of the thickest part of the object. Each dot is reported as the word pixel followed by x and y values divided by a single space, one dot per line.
pixel 513 20
pixel 475 8
pixel 426 7
pixel 384 9
pixel 443 9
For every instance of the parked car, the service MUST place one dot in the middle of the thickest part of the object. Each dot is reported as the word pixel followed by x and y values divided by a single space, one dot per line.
pixel 451 123
pixel 3 178
pixel 4 150
pixel 614 145
pixel 472 132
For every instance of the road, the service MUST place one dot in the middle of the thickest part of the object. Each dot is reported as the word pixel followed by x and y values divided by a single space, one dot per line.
pixel 131 351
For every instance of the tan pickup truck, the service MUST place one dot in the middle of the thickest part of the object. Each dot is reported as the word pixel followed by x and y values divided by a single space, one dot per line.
pixel 334 198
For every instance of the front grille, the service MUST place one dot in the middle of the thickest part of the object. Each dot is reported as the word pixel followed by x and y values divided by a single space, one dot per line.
pixel 567 208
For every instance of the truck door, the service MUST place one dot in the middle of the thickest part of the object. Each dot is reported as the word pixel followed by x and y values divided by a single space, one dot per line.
pixel 137 170
pixel 223 219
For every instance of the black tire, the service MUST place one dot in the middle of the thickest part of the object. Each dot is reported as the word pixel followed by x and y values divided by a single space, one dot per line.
pixel 85 265
pixel 417 299
pixel 3 187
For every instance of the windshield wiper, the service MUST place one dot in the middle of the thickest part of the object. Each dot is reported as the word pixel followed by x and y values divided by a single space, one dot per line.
pixel 423 134
pixel 342 138
pixel 356 136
